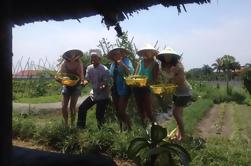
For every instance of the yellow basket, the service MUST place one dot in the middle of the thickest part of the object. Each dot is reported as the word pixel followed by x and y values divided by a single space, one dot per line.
pixel 67 79
pixel 170 88
pixel 136 81
pixel 160 89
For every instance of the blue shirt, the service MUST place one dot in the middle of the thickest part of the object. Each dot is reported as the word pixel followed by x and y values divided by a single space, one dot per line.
pixel 121 87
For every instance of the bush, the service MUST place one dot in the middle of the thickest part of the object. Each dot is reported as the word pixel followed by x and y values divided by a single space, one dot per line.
pixel 238 97
pixel 23 128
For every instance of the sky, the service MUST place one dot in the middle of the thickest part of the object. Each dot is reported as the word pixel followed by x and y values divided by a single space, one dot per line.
pixel 203 33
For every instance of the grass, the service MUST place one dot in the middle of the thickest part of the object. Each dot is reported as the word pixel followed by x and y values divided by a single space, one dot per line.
pixel 219 151
pixel 46 128
pixel 47 98
pixel 242 124
pixel 192 115
pixel 235 150
pixel 41 99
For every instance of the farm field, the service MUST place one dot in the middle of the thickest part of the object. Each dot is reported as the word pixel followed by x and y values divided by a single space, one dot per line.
pixel 45 131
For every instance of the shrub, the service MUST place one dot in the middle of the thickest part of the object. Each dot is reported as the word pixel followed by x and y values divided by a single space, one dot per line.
pixel 23 127
pixel 153 150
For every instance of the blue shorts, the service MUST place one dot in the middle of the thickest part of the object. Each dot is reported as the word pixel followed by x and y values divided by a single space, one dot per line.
pixel 70 91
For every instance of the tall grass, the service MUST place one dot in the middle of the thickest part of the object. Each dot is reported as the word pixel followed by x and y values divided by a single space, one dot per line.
pixel 110 140
pixel 209 90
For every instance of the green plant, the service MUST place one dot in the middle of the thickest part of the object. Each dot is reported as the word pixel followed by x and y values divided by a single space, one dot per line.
pixel 152 150
pixel 246 76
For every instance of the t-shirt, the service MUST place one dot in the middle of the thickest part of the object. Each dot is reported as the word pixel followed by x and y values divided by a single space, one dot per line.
pixel 118 73
pixel 97 76
pixel 147 71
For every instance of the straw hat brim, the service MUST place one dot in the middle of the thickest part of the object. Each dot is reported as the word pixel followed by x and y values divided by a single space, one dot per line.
pixel 140 52
pixel 72 54
pixel 164 56
pixel 124 52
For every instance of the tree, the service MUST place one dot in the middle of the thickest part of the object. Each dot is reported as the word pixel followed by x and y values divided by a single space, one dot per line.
pixel 217 66
pixel 228 62
pixel 122 41
pixel 247 65
pixel 207 71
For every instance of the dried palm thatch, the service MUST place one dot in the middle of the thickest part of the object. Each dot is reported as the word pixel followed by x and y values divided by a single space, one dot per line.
pixel 113 11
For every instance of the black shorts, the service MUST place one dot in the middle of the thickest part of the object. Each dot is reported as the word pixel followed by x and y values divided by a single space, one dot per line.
pixel 181 101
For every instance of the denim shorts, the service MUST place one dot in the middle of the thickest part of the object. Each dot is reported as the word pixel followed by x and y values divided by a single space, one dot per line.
pixel 70 91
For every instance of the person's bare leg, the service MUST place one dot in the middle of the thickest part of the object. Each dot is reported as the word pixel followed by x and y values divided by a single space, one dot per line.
pixel 123 100
pixel 139 99
pixel 148 107
pixel 73 104
pixel 65 102
pixel 115 101
pixel 177 113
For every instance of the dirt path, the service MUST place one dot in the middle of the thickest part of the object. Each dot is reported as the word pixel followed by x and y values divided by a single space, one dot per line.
pixel 24 107
pixel 216 122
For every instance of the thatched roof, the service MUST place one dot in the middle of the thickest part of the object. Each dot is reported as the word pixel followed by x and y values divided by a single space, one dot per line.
pixel 27 11
pixel 113 11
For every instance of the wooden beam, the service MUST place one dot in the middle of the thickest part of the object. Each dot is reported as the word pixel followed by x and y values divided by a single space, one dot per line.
pixel 5 84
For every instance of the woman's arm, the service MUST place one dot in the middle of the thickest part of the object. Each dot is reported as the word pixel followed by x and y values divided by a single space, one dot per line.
pixel 81 72
pixel 179 75
pixel 124 64
pixel 136 72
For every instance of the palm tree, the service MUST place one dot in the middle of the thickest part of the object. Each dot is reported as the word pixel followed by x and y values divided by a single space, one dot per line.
pixel 217 66
pixel 207 70
pixel 235 66
pixel 227 63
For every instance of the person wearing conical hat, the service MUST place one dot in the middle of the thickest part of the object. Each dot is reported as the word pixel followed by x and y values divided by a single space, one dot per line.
pixel 120 68
pixel 174 70
pixel 149 68
pixel 71 65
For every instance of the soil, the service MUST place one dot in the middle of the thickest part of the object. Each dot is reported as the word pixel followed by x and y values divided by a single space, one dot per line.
pixel 213 124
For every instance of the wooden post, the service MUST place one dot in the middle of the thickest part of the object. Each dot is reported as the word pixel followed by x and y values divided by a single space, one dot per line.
pixel 5 84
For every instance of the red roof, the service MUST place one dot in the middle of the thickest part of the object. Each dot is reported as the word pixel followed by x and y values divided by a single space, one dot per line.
pixel 26 74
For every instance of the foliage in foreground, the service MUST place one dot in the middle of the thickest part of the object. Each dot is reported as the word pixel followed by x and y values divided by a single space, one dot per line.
pixel 47 129
pixel 153 150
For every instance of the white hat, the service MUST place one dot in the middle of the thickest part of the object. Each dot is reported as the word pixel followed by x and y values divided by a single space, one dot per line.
pixel 94 52
pixel 123 51
pixel 147 47
pixel 167 52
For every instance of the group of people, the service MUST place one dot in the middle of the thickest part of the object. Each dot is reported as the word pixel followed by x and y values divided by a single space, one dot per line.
pixel 110 82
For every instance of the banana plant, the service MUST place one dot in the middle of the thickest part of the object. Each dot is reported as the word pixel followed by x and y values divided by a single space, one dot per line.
pixel 153 150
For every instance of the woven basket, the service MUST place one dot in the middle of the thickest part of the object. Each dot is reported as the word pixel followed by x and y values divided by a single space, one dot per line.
pixel 67 79
pixel 136 81
pixel 160 89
